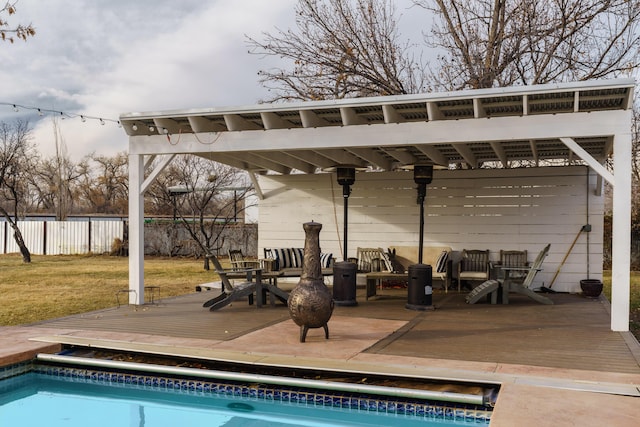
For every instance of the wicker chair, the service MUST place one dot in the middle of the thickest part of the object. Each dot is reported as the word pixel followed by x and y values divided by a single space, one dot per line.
pixel 474 266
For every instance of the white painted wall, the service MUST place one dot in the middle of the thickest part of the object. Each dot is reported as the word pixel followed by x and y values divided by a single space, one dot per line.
pixel 481 209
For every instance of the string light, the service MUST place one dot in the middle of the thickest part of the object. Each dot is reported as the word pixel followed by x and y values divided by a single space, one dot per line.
pixel 62 114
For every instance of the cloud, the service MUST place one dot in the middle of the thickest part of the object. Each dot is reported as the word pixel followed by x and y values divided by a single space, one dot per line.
pixel 103 58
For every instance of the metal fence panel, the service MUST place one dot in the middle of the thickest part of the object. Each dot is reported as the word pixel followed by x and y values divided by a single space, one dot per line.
pixel 103 234
pixel 67 237
pixel 32 233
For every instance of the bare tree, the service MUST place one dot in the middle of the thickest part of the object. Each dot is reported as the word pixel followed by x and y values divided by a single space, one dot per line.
pixel 52 185
pixel 210 197
pixel 341 49
pixel 16 156
pixel 20 31
pixel 104 183
pixel 487 43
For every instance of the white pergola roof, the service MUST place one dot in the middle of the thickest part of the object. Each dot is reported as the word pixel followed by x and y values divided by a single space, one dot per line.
pixel 572 122
pixel 440 128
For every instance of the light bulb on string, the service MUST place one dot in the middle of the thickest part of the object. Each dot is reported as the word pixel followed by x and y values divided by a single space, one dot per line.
pixel 83 118
pixel 40 113
pixel 102 122
pixel 15 108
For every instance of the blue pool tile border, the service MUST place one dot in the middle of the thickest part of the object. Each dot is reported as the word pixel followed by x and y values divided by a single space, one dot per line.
pixel 359 402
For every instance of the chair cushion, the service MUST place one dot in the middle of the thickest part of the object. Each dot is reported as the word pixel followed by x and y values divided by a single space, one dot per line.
pixel 441 263
pixel 286 258
pixel 325 260
pixel 473 275
pixel 294 257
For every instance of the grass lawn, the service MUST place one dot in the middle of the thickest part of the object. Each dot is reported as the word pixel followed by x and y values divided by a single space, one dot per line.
pixel 57 286
pixel 634 321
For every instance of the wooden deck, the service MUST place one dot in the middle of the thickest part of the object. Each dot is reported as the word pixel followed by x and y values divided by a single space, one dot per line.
pixel 574 333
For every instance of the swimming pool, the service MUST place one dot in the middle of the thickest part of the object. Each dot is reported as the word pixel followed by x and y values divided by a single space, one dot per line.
pixel 76 396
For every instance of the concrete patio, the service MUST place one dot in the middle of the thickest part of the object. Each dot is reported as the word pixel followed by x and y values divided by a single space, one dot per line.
pixel 557 365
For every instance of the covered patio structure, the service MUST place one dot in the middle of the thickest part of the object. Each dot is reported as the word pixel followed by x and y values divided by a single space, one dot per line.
pixel 496 147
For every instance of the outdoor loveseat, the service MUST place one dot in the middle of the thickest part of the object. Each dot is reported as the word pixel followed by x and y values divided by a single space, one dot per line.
pixel 289 261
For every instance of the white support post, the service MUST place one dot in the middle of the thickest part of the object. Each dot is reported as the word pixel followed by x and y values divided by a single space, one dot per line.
pixel 621 233
pixel 136 229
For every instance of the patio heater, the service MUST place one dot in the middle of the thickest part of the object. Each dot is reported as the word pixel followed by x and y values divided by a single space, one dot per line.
pixel 344 273
pixel 420 290
pixel 174 192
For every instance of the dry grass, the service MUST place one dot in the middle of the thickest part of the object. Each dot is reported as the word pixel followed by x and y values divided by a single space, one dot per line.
pixel 57 286
pixel 634 299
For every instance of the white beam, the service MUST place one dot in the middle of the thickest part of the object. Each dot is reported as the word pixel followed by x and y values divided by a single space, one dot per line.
pixel 478 109
pixel 621 233
pixel 202 124
pixel 312 120
pixel 593 163
pixel 164 162
pixel 434 154
pixel 512 128
pixel 372 156
pixel 274 121
pixel 433 111
pixel 350 118
pixel 466 154
pixel 170 125
pixel 391 115
pixel 287 160
pixel 136 230
pixel 237 122
pixel 314 158
pixel 401 155
pixel 256 185
pixel 502 155
pixel 342 157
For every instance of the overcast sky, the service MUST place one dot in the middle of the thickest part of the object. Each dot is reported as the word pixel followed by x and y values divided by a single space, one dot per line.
pixel 102 58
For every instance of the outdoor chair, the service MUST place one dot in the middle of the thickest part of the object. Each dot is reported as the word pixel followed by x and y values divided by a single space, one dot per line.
pixel 372 259
pixel 473 267
pixel 238 261
pixel 506 285
pixel 232 292
pixel 512 258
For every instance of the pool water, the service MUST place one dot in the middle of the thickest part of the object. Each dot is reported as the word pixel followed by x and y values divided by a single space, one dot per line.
pixel 35 399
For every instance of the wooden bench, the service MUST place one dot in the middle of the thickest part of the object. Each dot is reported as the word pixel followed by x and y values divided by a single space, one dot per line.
pixel 438 257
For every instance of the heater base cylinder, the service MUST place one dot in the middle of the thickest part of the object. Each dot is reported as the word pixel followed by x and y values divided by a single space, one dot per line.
pixel 420 289
pixel 344 283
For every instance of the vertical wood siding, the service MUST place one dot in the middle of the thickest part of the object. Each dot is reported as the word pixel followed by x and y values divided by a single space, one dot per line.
pixel 482 209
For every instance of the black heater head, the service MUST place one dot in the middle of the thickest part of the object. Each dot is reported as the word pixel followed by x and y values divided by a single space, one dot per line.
pixel 423 174
pixel 346 175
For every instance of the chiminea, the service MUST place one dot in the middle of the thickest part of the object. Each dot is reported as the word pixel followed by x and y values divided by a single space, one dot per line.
pixel 310 302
